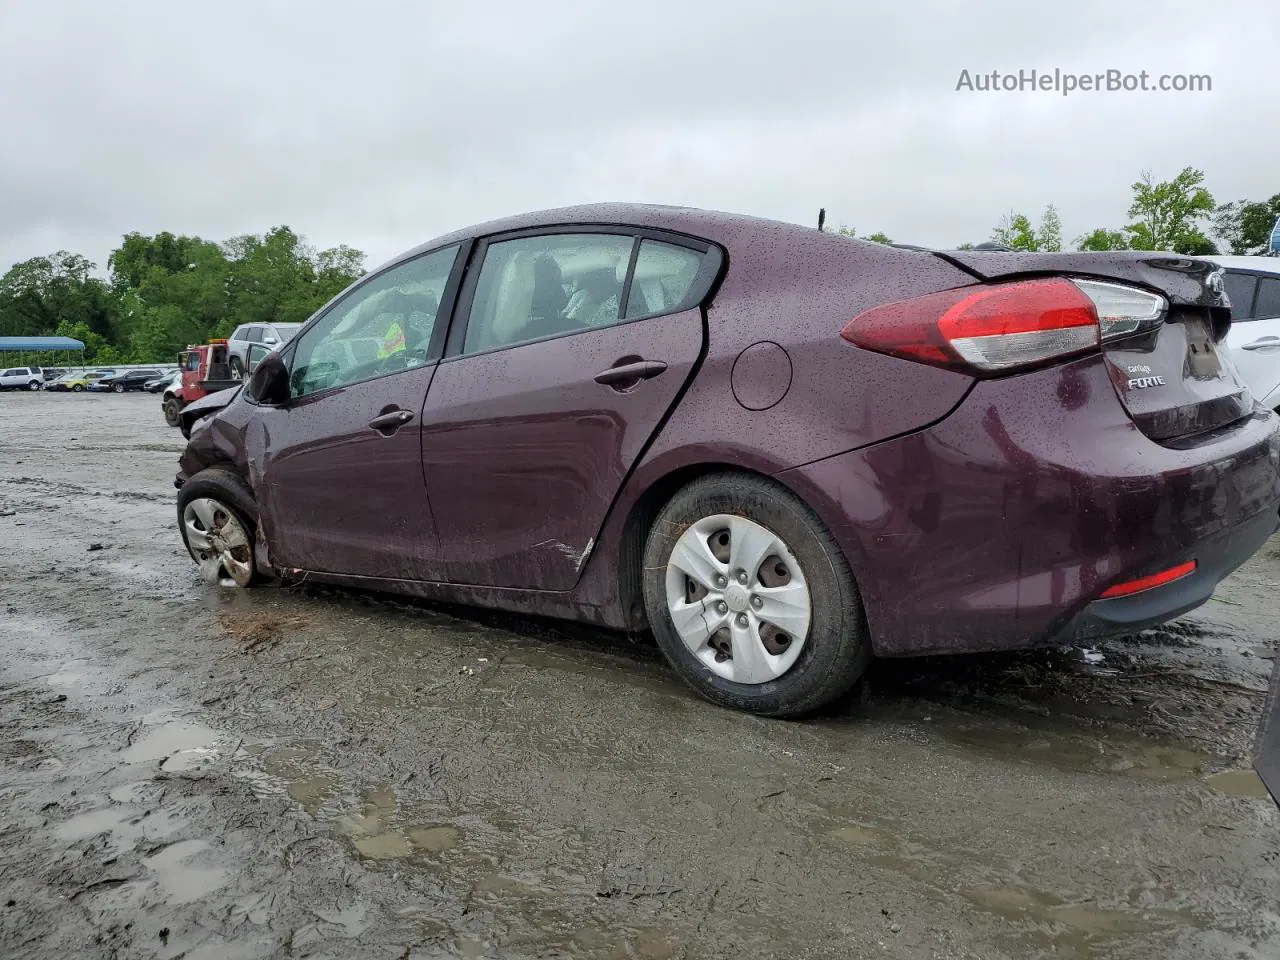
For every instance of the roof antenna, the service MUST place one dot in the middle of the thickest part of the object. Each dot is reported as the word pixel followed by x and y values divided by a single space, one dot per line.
pixel 822 218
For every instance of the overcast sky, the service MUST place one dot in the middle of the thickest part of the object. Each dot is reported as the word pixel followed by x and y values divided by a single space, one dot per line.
pixel 382 124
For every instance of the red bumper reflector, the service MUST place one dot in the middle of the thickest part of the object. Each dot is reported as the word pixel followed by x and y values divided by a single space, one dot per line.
pixel 1155 580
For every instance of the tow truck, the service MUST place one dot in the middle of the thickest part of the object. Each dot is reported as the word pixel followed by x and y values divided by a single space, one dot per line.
pixel 205 370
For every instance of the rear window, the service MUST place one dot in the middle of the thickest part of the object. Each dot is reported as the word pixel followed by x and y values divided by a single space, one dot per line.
pixel 1240 288
pixel 1268 302
pixel 663 276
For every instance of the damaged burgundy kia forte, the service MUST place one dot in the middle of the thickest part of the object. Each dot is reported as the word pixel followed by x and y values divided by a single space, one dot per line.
pixel 781 450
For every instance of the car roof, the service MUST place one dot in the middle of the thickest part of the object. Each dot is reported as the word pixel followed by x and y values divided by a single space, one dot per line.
pixel 710 224
pixel 1260 264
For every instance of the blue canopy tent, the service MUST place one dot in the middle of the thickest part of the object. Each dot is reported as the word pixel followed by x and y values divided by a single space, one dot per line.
pixel 35 350
pixel 1273 244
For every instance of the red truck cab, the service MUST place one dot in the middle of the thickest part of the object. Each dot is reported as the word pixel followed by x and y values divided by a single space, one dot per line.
pixel 204 370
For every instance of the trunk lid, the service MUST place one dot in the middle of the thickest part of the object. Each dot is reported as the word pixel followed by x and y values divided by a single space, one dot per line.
pixel 1175 380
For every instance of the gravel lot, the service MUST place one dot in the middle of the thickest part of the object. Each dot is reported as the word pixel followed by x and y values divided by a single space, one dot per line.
pixel 304 772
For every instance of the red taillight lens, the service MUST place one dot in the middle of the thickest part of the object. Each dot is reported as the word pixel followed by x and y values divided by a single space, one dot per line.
pixel 1130 587
pixel 982 331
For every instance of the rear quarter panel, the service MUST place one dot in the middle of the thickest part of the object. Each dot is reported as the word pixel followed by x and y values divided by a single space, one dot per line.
pixel 797 288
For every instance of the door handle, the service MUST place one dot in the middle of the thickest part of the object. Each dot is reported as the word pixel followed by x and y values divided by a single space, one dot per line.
pixel 630 373
pixel 1263 343
pixel 391 421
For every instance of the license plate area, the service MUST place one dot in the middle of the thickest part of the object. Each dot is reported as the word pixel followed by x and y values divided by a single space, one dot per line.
pixel 1202 361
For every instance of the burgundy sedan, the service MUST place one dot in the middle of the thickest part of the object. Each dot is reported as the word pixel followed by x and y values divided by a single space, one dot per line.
pixel 780 450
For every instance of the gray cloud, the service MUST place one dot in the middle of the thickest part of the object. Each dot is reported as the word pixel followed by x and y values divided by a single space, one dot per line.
pixel 387 127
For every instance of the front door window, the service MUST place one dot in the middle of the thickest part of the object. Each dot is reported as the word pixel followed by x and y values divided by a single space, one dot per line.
pixel 383 326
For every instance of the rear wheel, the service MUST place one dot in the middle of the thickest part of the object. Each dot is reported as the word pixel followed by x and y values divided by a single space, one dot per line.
pixel 118 387
pixel 237 369
pixel 172 409
pixel 751 599
pixel 77 388
pixel 218 519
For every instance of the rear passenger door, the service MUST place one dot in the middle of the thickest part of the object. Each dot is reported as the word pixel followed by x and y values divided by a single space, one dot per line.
pixel 559 370
pixel 1254 337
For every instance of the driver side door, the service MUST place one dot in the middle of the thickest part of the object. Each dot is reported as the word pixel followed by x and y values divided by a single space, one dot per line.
pixel 340 467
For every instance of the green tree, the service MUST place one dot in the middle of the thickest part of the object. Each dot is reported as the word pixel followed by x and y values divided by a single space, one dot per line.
pixel 1103 239
pixel 877 237
pixel 39 294
pixel 1168 214
pixel 279 277
pixel 1016 231
pixel 172 292
pixel 1245 227
pixel 167 291
pixel 1050 235
pixel 175 290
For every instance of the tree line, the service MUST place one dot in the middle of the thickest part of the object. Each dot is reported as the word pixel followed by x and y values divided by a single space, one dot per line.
pixel 164 292
pixel 1178 215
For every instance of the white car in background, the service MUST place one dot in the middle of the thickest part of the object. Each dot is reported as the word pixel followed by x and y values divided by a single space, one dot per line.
pixel 1253 343
pixel 21 378
pixel 247 335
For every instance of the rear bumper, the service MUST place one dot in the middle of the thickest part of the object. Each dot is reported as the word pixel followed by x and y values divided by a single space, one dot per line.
pixel 1215 559
pixel 1000 527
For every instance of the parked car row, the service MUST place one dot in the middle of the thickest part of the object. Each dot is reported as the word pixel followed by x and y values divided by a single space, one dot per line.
pixel 107 380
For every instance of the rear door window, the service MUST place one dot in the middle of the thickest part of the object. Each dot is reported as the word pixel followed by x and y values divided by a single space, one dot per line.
pixel 663 277
pixel 1267 304
pixel 531 288
pixel 1240 287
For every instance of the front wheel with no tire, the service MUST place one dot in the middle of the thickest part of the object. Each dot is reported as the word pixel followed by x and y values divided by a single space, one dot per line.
pixel 751 599
pixel 218 519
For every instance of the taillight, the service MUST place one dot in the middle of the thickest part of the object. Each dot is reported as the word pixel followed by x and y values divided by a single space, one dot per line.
pixel 983 330
pixel 1122 310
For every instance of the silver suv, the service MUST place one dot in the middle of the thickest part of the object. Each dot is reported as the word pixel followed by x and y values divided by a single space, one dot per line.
pixel 21 378
pixel 270 335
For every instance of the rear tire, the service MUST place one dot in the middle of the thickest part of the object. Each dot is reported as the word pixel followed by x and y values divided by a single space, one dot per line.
pixel 118 387
pixel 716 521
pixel 172 410
pixel 237 369
pixel 218 519
pixel 34 385
pixel 77 388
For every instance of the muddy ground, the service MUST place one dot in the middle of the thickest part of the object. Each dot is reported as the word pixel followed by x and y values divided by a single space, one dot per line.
pixel 200 773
